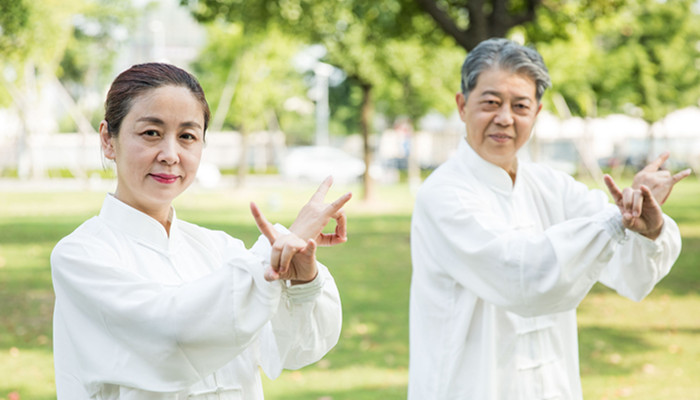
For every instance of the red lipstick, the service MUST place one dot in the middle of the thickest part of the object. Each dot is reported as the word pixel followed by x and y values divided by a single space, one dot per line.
pixel 164 178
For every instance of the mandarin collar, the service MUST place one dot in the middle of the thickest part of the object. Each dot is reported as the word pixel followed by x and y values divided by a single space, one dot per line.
pixel 489 174
pixel 137 224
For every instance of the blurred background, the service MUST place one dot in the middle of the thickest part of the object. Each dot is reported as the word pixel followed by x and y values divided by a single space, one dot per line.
pixel 363 90
pixel 374 80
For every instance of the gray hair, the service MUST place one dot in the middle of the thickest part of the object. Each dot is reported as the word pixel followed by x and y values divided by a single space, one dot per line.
pixel 508 55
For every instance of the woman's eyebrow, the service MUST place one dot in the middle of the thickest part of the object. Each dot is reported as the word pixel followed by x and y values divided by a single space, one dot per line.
pixel 158 121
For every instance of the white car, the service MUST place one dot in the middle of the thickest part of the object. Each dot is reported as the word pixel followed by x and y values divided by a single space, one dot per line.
pixel 315 163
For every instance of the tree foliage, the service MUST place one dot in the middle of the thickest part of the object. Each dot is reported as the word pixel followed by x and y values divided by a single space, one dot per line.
pixel 14 21
pixel 605 56
pixel 641 56
pixel 372 42
pixel 258 69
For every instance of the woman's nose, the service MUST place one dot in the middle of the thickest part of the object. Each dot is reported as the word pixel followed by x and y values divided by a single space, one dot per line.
pixel 168 152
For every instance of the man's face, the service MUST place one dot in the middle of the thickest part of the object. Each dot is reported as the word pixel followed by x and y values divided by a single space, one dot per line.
pixel 499 115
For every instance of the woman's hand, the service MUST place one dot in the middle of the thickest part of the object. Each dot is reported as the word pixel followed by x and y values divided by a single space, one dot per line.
pixel 640 211
pixel 315 214
pixel 291 258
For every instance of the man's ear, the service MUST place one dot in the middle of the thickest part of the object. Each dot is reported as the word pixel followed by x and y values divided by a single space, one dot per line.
pixel 107 141
pixel 461 104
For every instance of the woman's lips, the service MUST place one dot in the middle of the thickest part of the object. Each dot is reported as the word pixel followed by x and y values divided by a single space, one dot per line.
pixel 165 178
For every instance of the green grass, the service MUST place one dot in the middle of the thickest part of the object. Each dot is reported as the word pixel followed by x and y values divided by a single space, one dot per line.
pixel 647 350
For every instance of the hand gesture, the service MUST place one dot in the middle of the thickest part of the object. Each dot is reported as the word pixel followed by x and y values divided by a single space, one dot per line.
pixel 659 181
pixel 315 214
pixel 291 257
pixel 640 211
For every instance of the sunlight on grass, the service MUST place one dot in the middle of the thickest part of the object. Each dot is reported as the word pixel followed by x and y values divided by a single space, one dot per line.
pixel 646 350
pixel 27 372
pixel 358 382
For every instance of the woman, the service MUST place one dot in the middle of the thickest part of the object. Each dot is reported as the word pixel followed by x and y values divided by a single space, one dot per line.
pixel 152 307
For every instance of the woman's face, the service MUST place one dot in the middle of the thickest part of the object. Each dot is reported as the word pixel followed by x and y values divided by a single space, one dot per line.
pixel 158 148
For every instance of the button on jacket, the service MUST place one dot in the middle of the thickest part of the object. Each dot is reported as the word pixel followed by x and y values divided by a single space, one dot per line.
pixel 498 271
pixel 143 315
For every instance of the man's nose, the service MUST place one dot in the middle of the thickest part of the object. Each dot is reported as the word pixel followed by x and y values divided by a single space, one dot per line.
pixel 504 116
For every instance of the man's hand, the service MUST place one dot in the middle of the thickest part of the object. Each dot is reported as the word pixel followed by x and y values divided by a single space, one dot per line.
pixel 659 181
pixel 640 211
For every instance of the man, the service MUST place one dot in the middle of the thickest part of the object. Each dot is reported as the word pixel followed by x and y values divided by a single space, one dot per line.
pixel 504 251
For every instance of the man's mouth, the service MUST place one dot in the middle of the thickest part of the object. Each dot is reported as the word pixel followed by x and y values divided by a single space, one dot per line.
pixel 500 137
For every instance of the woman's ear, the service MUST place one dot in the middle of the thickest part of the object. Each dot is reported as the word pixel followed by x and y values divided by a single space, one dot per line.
pixel 107 141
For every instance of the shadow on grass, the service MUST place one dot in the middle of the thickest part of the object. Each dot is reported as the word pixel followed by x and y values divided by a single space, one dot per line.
pixel 365 393
pixel 684 277
pixel 604 351
pixel 373 272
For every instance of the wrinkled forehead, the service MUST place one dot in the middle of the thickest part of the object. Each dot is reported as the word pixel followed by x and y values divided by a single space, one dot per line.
pixel 504 82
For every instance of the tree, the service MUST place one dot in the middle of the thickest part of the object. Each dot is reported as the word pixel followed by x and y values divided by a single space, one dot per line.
pixel 14 21
pixel 635 57
pixel 33 62
pixel 258 79
pixel 471 21
pixel 355 35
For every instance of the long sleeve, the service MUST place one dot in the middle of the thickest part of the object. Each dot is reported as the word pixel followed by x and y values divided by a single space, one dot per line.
pixel 306 324
pixel 640 263
pixel 154 336
pixel 496 246
pixel 499 269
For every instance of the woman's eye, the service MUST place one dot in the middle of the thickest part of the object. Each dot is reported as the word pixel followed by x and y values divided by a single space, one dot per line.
pixel 188 136
pixel 151 133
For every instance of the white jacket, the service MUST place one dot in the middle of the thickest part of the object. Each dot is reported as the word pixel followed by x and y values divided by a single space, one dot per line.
pixel 143 315
pixel 498 271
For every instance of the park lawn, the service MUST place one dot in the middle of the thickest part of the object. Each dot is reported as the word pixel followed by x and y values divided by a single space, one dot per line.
pixel 647 350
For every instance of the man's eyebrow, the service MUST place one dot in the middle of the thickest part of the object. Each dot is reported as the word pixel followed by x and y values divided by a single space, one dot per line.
pixel 499 94
pixel 491 93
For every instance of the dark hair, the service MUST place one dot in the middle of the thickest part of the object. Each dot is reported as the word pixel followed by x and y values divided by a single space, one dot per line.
pixel 141 78
pixel 505 54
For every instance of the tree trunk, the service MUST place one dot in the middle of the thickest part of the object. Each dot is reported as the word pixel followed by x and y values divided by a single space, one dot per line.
pixel 487 18
pixel 366 123
pixel 243 159
pixel 413 164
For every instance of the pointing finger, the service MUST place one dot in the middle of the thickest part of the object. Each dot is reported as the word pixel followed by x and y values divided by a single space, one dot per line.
pixel 613 188
pixel 264 226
